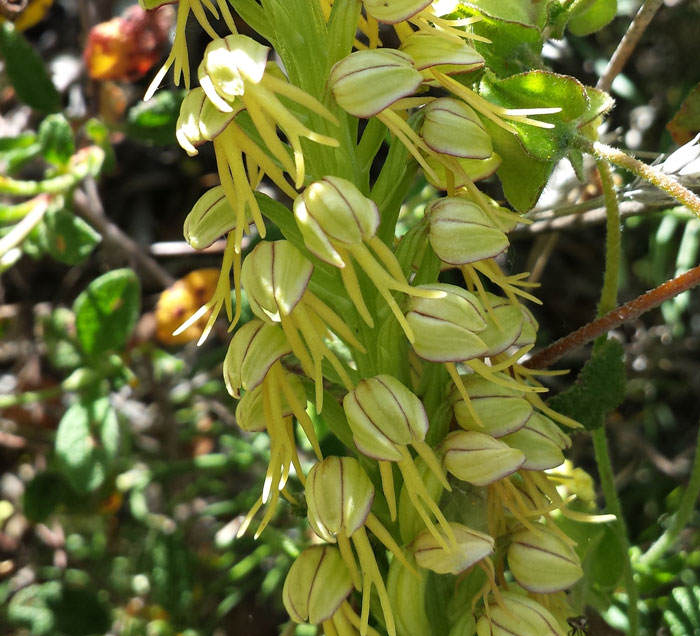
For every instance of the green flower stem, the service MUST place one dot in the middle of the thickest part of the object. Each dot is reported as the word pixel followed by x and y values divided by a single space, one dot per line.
pixel 613 235
pixel 644 171
pixel 608 301
pixel 29 397
pixel 682 516
pixel 20 231
pixel 55 185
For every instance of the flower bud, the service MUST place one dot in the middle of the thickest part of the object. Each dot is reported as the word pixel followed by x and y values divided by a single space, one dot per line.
pixel 229 63
pixel 394 11
pixel 541 562
pixel 210 218
pixel 461 232
pixel 254 348
pixel 250 414
pixel 316 585
pixel 474 169
pixel 199 121
pixel 275 276
pixel 528 335
pixel 501 410
pixel 504 324
pixel 366 82
pixel 404 587
pixel 339 496
pixel 445 328
pixel 333 209
pixel 470 546
pixel 445 54
pixel 453 128
pixel 518 615
pixel 478 458
pixel 384 415
pixel 541 441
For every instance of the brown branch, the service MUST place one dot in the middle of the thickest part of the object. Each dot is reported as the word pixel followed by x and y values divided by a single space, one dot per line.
pixel 88 205
pixel 629 311
pixel 628 43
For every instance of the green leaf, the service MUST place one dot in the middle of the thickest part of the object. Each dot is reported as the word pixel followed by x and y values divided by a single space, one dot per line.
pixel 42 495
pixel 62 349
pixel 154 121
pixel 67 237
pixel 27 72
pixel 16 151
pixel 107 311
pixel 57 140
pixel 523 178
pixel 515 45
pixel 599 388
pixel 29 608
pixel 592 17
pixel 686 122
pixel 87 440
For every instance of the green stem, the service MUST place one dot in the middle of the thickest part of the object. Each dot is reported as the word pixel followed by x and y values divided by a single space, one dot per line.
pixel 682 516
pixel 29 397
pixel 56 185
pixel 613 235
pixel 20 231
pixel 649 173
pixel 608 301
pixel 605 472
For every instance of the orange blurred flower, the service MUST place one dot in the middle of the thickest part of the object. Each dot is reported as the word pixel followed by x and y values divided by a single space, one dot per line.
pixel 127 47
pixel 180 301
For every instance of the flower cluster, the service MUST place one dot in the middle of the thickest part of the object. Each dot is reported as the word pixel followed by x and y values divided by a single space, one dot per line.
pixel 425 376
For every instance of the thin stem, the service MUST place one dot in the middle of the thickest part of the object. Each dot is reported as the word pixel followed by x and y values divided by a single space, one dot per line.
pixel 29 397
pixel 608 301
pixel 20 231
pixel 648 173
pixel 607 482
pixel 682 516
pixel 628 42
pixel 608 295
pixel 624 313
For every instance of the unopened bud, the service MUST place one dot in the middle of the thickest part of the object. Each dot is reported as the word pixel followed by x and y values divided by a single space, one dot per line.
pixel 474 169
pixel 199 121
pixel 504 324
pixel 339 496
pixel 518 615
pixel 446 328
pixel 275 276
pixel 210 218
pixel 445 54
pixel 250 412
pixel 333 209
pixel 394 11
pixel 469 547
pixel 254 348
pixel 501 410
pixel 317 583
pixel 478 458
pixel 542 562
pixel 453 128
pixel 384 416
pixel 366 82
pixel 541 441
pixel 461 232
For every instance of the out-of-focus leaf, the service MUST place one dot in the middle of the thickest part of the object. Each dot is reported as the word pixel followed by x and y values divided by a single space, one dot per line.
pixel 30 608
pixel 42 494
pixel 682 616
pixel 592 18
pixel 107 311
pixel 62 349
pixel 67 237
pixel 16 151
pixel 57 140
pixel 86 440
pixel 27 72
pixel 686 122
pixel 599 388
pixel 154 121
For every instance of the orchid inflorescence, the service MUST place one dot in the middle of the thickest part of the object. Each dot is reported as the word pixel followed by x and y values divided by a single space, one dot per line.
pixel 425 375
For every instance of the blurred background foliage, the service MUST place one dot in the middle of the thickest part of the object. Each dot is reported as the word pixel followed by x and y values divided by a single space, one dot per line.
pixel 123 478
